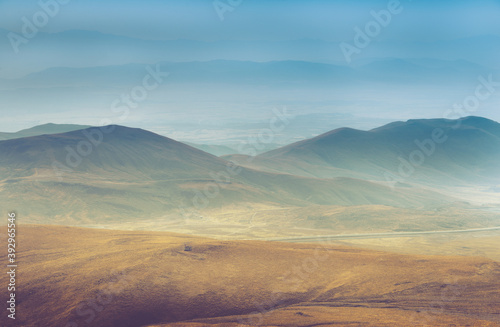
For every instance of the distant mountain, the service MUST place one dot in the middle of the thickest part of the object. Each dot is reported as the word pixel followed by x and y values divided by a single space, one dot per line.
pixel 88 175
pixel 432 151
pixel 216 150
pixel 241 86
pixel 421 70
pixel 80 48
pixel 276 73
pixel 42 129
pixel 216 71
pixel 123 148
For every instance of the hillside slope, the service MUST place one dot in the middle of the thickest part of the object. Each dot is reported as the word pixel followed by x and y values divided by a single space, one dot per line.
pixel 432 151
pixel 88 175
pixel 77 277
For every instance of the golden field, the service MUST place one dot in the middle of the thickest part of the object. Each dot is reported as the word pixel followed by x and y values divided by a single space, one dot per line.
pixel 87 277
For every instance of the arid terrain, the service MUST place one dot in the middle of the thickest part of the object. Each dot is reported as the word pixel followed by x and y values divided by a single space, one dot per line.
pixel 87 277
pixel 263 163
pixel 102 240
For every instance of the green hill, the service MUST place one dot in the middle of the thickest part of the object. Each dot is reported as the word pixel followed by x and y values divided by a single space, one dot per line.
pixel 433 151
pixel 89 176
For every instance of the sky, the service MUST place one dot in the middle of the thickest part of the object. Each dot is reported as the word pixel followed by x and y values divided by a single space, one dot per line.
pixel 331 20
pixel 458 39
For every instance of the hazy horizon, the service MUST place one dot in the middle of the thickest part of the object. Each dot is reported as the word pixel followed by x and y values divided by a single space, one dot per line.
pixel 227 74
pixel 250 163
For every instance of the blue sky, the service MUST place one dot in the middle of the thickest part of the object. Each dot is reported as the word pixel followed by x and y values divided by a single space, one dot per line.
pixel 258 20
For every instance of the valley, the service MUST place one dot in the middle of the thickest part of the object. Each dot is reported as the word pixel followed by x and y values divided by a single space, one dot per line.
pixel 103 238
pixel 262 163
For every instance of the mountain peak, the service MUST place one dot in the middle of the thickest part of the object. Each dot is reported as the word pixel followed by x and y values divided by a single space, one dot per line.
pixel 468 150
pixel 477 120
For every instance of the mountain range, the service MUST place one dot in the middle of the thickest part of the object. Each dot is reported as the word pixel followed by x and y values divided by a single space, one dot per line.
pixel 86 48
pixel 42 129
pixel 285 72
pixel 237 88
pixel 430 151
pixel 116 174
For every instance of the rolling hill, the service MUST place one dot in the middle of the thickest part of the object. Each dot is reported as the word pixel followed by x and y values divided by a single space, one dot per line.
pixel 431 151
pixel 117 173
pixel 42 129
pixel 78 277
